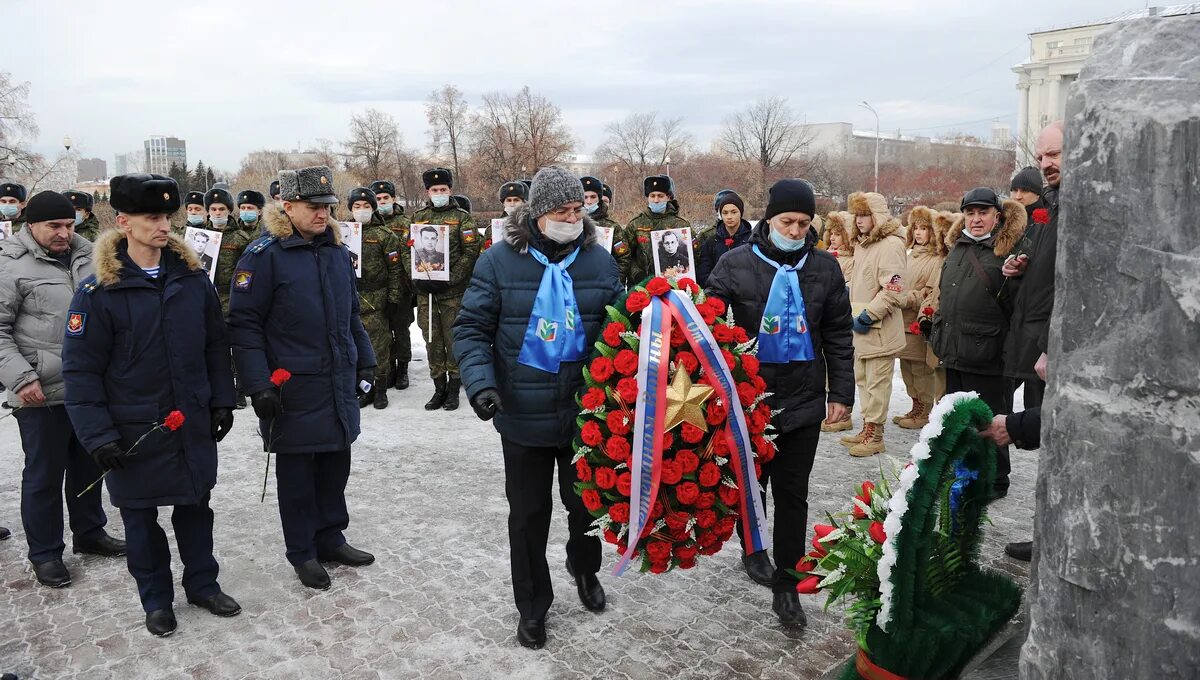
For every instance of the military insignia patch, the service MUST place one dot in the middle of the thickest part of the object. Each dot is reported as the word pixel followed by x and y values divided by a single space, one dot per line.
pixel 468 237
pixel 547 330
pixel 620 248
pixel 242 279
pixel 76 323
pixel 393 256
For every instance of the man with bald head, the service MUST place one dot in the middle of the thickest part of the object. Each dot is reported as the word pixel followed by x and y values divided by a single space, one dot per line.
pixel 1032 268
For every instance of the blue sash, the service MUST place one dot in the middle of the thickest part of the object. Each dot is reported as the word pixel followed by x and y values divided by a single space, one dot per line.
pixel 783 332
pixel 553 334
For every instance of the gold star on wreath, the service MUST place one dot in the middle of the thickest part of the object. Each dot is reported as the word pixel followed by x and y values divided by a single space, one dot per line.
pixel 685 401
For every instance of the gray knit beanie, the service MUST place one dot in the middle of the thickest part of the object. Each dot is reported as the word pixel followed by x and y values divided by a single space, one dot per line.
pixel 552 187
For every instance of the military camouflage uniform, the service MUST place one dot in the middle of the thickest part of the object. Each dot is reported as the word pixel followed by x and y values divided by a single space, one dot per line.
pixel 379 289
pixel 402 317
pixel 620 248
pixel 234 239
pixel 640 261
pixel 89 228
pixel 465 246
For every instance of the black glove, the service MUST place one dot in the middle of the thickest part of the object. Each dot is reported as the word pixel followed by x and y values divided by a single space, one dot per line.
pixel 487 404
pixel 391 309
pixel 926 328
pixel 365 374
pixel 266 404
pixel 110 456
pixel 222 422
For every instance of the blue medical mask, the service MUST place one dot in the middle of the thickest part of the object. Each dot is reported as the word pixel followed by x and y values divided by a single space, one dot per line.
pixel 248 216
pixel 78 217
pixel 657 208
pixel 385 208
pixel 195 220
pixel 439 200
pixel 9 210
pixel 219 221
pixel 591 208
pixel 784 243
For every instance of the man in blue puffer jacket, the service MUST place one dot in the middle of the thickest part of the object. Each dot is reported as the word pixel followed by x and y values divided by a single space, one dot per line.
pixel 521 361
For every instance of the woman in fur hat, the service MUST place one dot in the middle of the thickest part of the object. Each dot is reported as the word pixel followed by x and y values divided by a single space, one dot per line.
pixel 924 260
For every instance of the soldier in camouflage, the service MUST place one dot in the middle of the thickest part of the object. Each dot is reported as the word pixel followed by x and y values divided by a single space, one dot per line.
pixel 194 215
pixel 438 301
pixel 378 287
pixel 662 212
pixel 401 315
pixel 12 205
pixel 597 209
pixel 87 224
pixel 235 236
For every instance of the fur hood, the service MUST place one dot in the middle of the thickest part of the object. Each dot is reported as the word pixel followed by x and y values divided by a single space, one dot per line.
pixel 280 226
pixel 885 225
pixel 517 236
pixel 108 265
pixel 920 216
pixel 942 221
pixel 838 223
pixel 1007 234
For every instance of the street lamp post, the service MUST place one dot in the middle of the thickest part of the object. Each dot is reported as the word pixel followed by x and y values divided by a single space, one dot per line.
pixel 67 143
pixel 868 107
pixel 667 160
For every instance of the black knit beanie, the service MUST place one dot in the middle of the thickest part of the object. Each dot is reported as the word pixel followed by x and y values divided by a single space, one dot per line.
pixel 49 205
pixel 790 195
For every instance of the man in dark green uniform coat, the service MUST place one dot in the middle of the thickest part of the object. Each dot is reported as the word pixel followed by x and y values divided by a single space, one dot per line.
pixel 401 315
pixel 87 224
pixel 378 287
pixel 438 301
pixel 12 204
pixel 662 212
pixel 597 209
pixel 194 215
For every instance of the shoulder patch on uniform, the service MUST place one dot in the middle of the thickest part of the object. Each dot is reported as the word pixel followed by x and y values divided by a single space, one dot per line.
pixel 76 323
pixel 619 248
pixel 393 256
pixel 260 245
pixel 89 285
pixel 242 279
pixel 468 235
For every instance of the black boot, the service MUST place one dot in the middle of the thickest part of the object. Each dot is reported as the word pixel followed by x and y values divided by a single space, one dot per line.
pixel 759 568
pixel 366 398
pixel 591 593
pixel 787 608
pixel 452 390
pixel 1021 550
pixel 381 398
pixel 4 533
pixel 52 574
pixel 439 394
pixel 161 622
pixel 531 633
pixel 401 376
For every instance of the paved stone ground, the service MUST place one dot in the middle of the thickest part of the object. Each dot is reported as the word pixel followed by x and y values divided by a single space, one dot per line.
pixel 426 496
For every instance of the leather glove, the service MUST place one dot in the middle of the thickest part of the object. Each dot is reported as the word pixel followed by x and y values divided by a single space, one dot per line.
pixel 110 456
pixel 862 322
pixel 487 404
pixel 222 422
pixel 266 404
pixel 926 328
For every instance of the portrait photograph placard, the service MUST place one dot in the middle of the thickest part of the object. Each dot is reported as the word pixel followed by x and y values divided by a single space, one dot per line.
pixel 604 236
pixel 497 234
pixel 430 252
pixel 352 239
pixel 206 243
pixel 672 250
pixel 5 230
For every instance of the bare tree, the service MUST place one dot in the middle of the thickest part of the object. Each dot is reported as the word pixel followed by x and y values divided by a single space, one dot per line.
pixel 768 133
pixel 642 143
pixel 371 147
pixel 17 126
pixel 514 131
pixel 446 112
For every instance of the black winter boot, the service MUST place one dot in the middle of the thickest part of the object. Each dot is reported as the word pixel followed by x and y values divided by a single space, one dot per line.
pixel 439 394
pixel 381 398
pixel 452 390
pixel 401 376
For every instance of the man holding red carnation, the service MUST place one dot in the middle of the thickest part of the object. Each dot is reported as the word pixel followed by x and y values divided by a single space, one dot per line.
pixel 533 309
pixel 793 298
pixel 150 392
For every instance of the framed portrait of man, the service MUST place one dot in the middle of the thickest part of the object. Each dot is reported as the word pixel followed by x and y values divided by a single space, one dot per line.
pixel 352 239
pixel 206 244
pixel 430 252
pixel 5 230
pixel 604 236
pixel 497 234
pixel 672 250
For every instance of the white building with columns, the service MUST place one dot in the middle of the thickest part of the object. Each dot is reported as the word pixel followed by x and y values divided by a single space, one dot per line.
pixel 1055 59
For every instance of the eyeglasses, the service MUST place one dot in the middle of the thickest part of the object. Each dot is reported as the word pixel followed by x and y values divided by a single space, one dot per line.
pixel 559 213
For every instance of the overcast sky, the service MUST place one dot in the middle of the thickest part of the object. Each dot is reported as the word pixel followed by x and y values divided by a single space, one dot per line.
pixel 235 76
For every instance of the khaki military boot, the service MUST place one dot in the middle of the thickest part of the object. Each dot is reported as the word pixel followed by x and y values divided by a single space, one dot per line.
pixel 851 440
pixel 915 405
pixel 918 418
pixel 839 426
pixel 872 442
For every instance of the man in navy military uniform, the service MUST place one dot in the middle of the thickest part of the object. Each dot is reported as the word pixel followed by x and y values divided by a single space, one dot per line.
pixel 315 333
pixel 144 340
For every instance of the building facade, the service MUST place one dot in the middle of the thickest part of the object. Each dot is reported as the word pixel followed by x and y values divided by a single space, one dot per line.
pixel 91 169
pixel 163 152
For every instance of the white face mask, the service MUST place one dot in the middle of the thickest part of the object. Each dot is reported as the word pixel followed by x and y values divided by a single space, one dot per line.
pixel 563 232
pixel 219 221
pixel 439 200
pixel 78 218
pixel 363 216
pixel 510 209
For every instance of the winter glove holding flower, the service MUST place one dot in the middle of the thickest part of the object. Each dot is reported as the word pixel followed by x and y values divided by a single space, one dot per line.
pixel 862 322
pixel 266 404
pixel 222 422
pixel 109 457
pixel 487 404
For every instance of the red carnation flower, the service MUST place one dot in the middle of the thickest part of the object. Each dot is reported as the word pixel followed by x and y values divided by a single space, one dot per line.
pixel 410 243
pixel 672 472
pixel 174 420
pixel 643 239
pixel 591 499
pixel 618 422
pixel 927 311
pixel 626 362
pixel 706 313
pixel 590 433
pixel 723 333
pixel 758 382
pixel 705 519
pixel 610 536
pixel 730 360
pixel 876 531
pixel 739 335
pixel 729 495
pixel 728 243
pixel 612 333
pixel 659 551
pixel 868 487
pixel 688 360
pixel 656 510
pixel 606 478
pixel 715 414
pixel 808 585
pixel 914 328
pixel 659 567
pixel 617 448
pixel 637 301
pixel 687 284
pixel 583 471
pixel 806 564
pixel 676 521
pixel 601 368
pixel 721 444
pixel 746 394
pixel 668 441
pixel 624 482
pixel 761 445
pixel 688 461
pixel 685 552
pixel 716 304
pixel 687 493
pixel 279 376
pixel 1041 216
pixel 758 422
pixel 657 286
pixel 858 512
pixel 487 244
pixel 710 475
pixel 691 434
pixel 619 512
pixel 706 500
pixel 594 398
pixel 627 388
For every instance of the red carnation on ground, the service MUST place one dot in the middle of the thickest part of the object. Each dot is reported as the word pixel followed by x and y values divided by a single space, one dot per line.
pixel 601 369
pixel 637 301
pixel 617 448
pixel 688 460
pixel 659 567
pixel 583 471
pixel 690 433
pixel 279 376
pixel 626 362
pixel 619 512
pixel 808 585
pixel 618 422
pixel 687 493
pixel 174 420
pixel 688 360
pixel 594 398
pixel 685 553
pixel 1041 216
pixel 612 333
pixel 591 500
pixel 590 433
pixel 606 478
pixel 657 286
pixel 627 389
